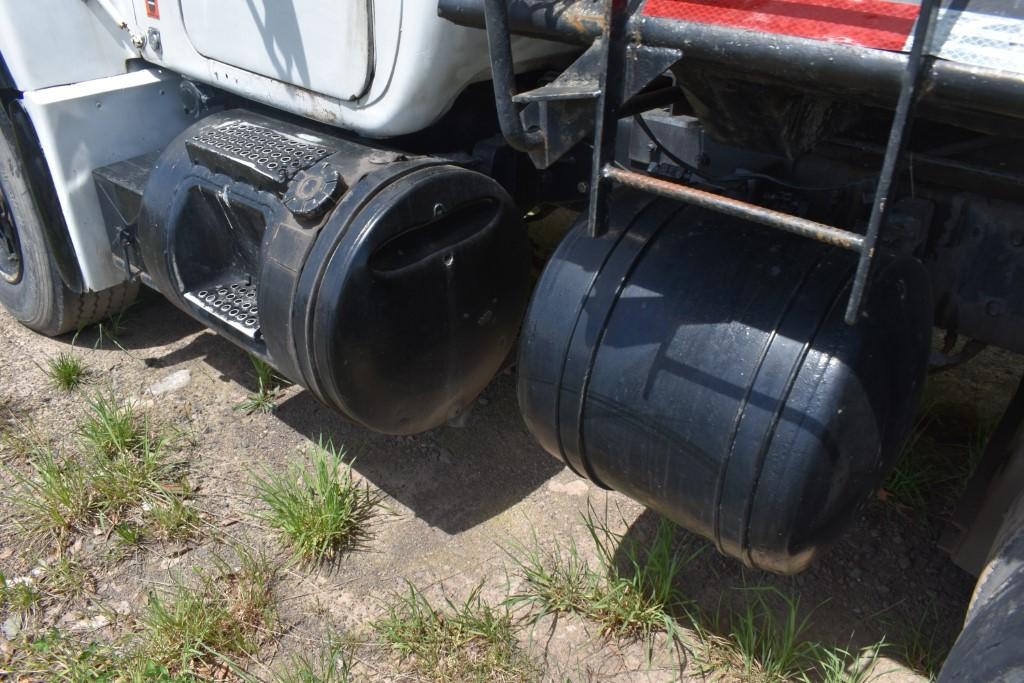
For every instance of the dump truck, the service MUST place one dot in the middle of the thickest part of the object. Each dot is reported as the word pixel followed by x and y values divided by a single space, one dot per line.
pixel 782 205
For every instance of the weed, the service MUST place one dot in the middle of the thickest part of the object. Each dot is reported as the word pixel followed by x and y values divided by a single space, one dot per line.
pixel 268 388
pixel 642 599
pixel 56 500
pixel 470 641
pixel 766 642
pixel 66 371
pixel 322 511
pixel 8 413
pixel 112 329
pixel 763 647
pixel 124 465
pixel 634 597
pixel 129 479
pixel 54 656
pixel 920 644
pixel 838 665
pixel 938 459
pixel 332 664
pixel 127 459
pixel 224 616
pixel 129 534
pixel 66 578
pixel 19 595
pixel 557 581
pixel 113 427
pixel 974 451
pixel 174 519
pixel 23 443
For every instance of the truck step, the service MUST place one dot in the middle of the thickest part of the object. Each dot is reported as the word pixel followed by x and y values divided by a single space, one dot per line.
pixel 234 303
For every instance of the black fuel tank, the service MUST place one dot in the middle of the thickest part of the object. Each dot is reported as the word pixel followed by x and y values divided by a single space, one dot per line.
pixel 408 305
pixel 702 366
pixel 390 285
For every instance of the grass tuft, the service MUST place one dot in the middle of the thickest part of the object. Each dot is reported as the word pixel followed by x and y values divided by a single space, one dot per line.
pixel 112 329
pixel 173 520
pixel 838 665
pixel 54 500
pixel 268 387
pixel 761 645
pixel 124 464
pixel 20 596
pixel 766 642
pixel 632 592
pixel 469 641
pixel 113 427
pixel 66 578
pixel 66 371
pixel 52 655
pixel 195 630
pixel 332 664
pixel 22 442
pixel 937 461
pixel 920 644
pixel 322 511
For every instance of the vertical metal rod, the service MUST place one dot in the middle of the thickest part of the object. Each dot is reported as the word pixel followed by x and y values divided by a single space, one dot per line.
pixel 611 67
pixel 499 43
pixel 904 110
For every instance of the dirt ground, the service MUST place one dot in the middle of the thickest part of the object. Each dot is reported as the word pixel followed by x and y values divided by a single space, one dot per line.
pixel 457 496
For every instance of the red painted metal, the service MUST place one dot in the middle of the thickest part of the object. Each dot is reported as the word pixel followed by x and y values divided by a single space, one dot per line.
pixel 878 24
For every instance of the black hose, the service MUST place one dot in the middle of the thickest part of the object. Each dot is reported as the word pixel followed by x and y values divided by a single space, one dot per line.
pixel 503 73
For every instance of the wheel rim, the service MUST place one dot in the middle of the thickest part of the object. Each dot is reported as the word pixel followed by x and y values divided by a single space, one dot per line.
pixel 10 246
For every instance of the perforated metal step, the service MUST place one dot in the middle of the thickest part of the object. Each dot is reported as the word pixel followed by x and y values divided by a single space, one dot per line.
pixel 234 303
pixel 257 154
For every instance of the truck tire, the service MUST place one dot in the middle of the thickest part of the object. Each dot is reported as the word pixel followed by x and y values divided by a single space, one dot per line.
pixel 31 287
pixel 991 646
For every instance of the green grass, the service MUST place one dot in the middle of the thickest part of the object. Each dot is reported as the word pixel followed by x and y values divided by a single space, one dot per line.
pixel 53 656
pixel 760 645
pixel 938 459
pixel 319 509
pixel 124 463
pixel 193 630
pixel 268 388
pixel 113 427
pixel 919 644
pixel 66 578
pixel 56 656
pixel 173 519
pixel 52 501
pixel 467 641
pixel 48 584
pixel 633 591
pixel 766 641
pixel 112 329
pixel 633 597
pixel 66 371
pixel 19 438
pixel 19 596
pixel 331 664
pixel 839 665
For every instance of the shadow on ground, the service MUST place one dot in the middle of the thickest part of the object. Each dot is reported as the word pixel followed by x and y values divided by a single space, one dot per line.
pixel 885 580
pixel 454 478
pixel 150 322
